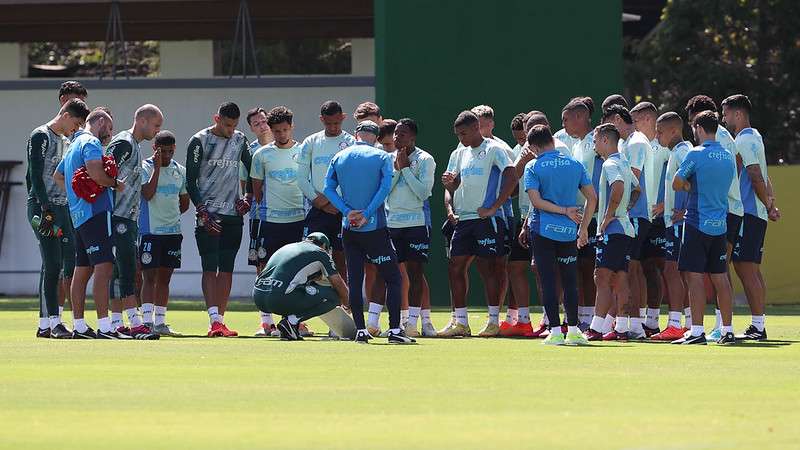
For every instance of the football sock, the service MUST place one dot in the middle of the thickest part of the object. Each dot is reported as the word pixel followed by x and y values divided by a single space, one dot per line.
pixel 674 319
pixel 494 314
pixel 160 315
pixel 80 325
pixel 413 316
pixel 524 315
pixel 147 312
pixel 213 315
pixel 461 316
pixel 116 320
pixel 512 315
pixel 373 318
pixel 426 316
pixel 652 317
pixel 133 317
pixel 266 319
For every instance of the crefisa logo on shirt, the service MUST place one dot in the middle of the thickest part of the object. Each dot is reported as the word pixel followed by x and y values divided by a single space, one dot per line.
pixel 343 145
pixel 481 154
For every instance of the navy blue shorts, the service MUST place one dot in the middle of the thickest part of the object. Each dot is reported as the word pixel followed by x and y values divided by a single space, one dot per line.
pixel 734 224
pixel 613 252
pixel 511 232
pixel 160 250
pixel 642 228
pixel 750 242
pixel 252 248
pixel 93 243
pixel 702 253
pixel 411 243
pixel 672 247
pixel 271 236
pixel 375 245
pixel 589 250
pixel 653 246
pixel 479 237
pixel 518 252
pixel 330 225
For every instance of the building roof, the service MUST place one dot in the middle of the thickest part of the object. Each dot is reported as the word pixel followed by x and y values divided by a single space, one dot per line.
pixel 87 20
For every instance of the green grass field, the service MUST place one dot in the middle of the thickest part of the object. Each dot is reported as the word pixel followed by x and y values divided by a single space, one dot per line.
pixel 461 394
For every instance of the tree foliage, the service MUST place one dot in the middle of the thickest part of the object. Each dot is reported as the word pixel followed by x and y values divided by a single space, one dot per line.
pixel 720 48
pixel 83 59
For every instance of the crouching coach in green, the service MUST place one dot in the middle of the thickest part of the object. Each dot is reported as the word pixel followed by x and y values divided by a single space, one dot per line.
pixel 300 282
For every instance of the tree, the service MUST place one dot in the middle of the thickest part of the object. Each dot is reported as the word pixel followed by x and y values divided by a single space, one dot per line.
pixel 720 48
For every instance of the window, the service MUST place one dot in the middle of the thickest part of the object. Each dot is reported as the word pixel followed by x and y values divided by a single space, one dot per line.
pixel 286 57
pixel 82 59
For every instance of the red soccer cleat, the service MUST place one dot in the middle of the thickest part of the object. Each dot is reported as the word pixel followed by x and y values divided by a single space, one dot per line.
pixel 541 332
pixel 614 335
pixel 592 335
pixel 519 329
pixel 218 329
pixel 504 326
pixel 670 334
pixel 124 330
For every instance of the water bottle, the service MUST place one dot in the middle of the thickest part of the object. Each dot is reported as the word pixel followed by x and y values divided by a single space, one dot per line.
pixel 36 221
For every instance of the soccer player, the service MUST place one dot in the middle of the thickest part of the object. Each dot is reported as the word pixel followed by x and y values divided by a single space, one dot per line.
pixel 518 316
pixel 406 217
pixel 759 206
pixel 576 116
pixel 48 201
pixel 316 153
pixel 694 106
pixel 635 147
pixel 124 148
pixel 213 181
pixel 300 282
pixel 280 212
pixel 257 120
pixel 473 174
pixel 368 111
pixel 644 116
pixel 706 173
pixel 619 188
pixel 669 132
pixel 613 99
pixel 71 89
pixel 66 92
pixel 92 220
pixel 552 183
pixel 364 175
pixel 386 136
pixel 164 199
pixel 526 158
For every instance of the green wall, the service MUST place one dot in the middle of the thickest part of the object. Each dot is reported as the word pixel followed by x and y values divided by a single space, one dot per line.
pixel 437 58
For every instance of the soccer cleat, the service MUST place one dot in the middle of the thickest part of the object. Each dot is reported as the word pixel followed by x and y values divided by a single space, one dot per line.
pixel 583 326
pixel 632 336
pixel 384 334
pixel 216 329
pixel 143 333
pixel 149 325
pixel 554 339
pixel 541 332
pixel 265 330
pixel 505 325
pixel 165 330
pixel 60 332
pixel 715 334
pixel 428 330
pixel 123 330
pixel 454 330
pixel 113 334
pixel 650 332
pixel 374 331
pixel 669 334
pixel 519 329
pixel 362 337
pixel 43 333
pixel 411 332
pixel 726 339
pixel 288 331
pixel 304 330
pixel 615 335
pixel 592 335
pixel 88 334
pixel 489 330
pixel 576 339
pixel 752 334
pixel 400 338
pixel 692 340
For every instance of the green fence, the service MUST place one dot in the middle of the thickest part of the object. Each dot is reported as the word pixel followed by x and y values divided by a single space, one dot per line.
pixel 437 58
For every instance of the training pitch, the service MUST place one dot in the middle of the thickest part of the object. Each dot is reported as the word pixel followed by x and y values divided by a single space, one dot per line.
pixel 441 394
